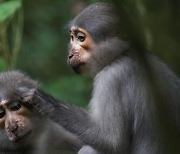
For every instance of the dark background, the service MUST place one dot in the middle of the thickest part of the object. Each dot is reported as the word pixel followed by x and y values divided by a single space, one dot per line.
pixel 33 39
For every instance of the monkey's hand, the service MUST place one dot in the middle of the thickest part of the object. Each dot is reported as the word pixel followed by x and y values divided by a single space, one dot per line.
pixel 37 98
pixel 26 94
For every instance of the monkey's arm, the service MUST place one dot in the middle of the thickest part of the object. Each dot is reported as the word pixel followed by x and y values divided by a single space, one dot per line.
pixel 107 131
pixel 108 125
pixel 67 115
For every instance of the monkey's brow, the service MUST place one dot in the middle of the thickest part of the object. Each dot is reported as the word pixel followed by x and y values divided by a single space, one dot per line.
pixel 74 30
pixel 4 102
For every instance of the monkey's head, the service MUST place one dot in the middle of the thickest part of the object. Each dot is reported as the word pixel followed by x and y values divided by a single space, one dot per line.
pixel 95 39
pixel 19 123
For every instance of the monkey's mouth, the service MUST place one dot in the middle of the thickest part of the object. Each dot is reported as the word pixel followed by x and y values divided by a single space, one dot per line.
pixel 16 137
pixel 77 67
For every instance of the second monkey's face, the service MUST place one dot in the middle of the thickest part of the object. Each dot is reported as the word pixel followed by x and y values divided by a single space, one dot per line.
pixel 80 50
pixel 20 124
pixel 15 120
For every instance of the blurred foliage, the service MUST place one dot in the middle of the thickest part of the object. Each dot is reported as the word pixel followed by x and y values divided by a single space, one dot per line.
pixel 45 39
pixel 8 8
pixel 76 95
pixel 11 19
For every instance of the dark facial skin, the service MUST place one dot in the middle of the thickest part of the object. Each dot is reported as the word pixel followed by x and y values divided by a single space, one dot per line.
pixel 19 123
pixel 14 118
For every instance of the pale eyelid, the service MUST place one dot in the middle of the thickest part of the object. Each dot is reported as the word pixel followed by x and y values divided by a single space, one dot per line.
pixel 3 102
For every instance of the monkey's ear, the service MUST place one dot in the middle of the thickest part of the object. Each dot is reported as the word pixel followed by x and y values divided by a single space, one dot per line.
pixel 26 94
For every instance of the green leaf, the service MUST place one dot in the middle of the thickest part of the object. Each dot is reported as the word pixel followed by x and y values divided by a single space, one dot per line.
pixel 8 8
pixel 2 64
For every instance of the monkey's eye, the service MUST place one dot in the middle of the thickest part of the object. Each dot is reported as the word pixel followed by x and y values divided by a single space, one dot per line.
pixel 81 36
pixel 2 113
pixel 14 106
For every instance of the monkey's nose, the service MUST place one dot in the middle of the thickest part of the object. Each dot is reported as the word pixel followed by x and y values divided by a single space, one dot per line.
pixel 70 56
pixel 13 127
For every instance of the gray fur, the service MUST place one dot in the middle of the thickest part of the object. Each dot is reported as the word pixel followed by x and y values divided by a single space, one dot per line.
pixel 87 150
pixel 135 105
pixel 129 112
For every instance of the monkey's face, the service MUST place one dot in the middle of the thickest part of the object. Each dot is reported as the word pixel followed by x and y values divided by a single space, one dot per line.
pixel 20 124
pixel 15 119
pixel 80 50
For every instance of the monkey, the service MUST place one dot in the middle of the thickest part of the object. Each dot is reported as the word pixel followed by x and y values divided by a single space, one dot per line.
pixel 22 129
pixel 135 106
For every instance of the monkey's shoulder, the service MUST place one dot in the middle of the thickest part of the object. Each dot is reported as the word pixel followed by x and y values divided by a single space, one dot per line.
pixel 121 68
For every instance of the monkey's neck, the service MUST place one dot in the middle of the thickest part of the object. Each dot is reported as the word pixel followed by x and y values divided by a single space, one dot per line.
pixel 107 52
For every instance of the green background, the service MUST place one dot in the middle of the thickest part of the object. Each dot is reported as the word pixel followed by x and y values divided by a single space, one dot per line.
pixel 33 39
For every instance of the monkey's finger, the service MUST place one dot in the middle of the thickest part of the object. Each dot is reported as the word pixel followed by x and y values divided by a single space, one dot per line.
pixel 28 95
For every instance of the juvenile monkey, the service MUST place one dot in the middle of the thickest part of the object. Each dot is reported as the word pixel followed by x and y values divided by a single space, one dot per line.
pixel 22 129
pixel 135 105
